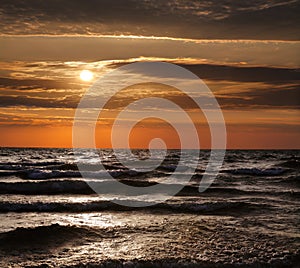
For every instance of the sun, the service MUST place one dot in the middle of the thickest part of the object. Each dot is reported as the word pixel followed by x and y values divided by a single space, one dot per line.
pixel 86 75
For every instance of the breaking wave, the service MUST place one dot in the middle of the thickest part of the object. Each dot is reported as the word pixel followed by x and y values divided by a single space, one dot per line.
pixel 188 207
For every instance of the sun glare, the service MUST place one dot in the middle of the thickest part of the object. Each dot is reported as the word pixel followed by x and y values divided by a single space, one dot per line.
pixel 86 75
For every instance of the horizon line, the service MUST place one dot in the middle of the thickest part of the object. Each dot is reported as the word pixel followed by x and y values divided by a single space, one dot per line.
pixel 141 148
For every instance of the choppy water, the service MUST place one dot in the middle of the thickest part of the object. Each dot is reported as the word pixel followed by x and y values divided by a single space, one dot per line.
pixel 50 216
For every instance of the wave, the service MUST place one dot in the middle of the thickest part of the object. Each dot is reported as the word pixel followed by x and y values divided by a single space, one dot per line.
pixel 13 165
pixel 39 174
pixel 293 181
pixel 48 174
pixel 46 187
pixel 238 192
pixel 181 262
pixel 4 173
pixel 51 235
pixel 30 242
pixel 173 167
pixel 189 207
pixel 295 164
pixel 291 157
pixel 78 187
pixel 257 171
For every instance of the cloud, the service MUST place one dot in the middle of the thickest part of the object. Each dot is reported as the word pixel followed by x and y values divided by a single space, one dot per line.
pixel 33 84
pixel 85 49
pixel 31 101
pixel 244 74
pixel 236 87
pixel 287 97
pixel 236 73
pixel 258 19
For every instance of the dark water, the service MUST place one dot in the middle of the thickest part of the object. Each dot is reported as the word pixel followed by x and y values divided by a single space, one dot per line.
pixel 249 217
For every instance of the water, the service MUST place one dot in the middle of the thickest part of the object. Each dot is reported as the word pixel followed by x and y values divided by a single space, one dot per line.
pixel 249 217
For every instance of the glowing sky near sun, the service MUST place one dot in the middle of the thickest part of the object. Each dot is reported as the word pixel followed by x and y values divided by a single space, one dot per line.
pixel 247 53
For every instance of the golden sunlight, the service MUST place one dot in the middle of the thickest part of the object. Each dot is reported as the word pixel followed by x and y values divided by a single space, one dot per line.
pixel 86 75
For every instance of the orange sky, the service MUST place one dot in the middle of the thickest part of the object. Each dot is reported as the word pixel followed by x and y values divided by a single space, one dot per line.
pixel 238 137
pixel 256 89
pixel 246 52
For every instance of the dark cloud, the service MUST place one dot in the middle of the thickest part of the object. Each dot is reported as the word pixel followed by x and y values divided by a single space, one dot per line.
pixel 272 87
pixel 285 96
pixel 69 101
pixel 238 74
pixel 30 101
pixel 245 74
pixel 32 84
pixel 288 97
pixel 268 98
pixel 258 19
pixel 254 87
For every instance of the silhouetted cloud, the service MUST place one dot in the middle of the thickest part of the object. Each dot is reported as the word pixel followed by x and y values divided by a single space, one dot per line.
pixel 258 19
pixel 245 74
pixel 238 73
pixel 263 87
pixel 32 84
pixel 31 101
pixel 287 97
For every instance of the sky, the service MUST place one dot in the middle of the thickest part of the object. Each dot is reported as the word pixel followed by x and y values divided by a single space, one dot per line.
pixel 246 52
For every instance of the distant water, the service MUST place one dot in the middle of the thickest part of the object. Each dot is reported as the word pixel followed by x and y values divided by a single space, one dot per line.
pixel 249 217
